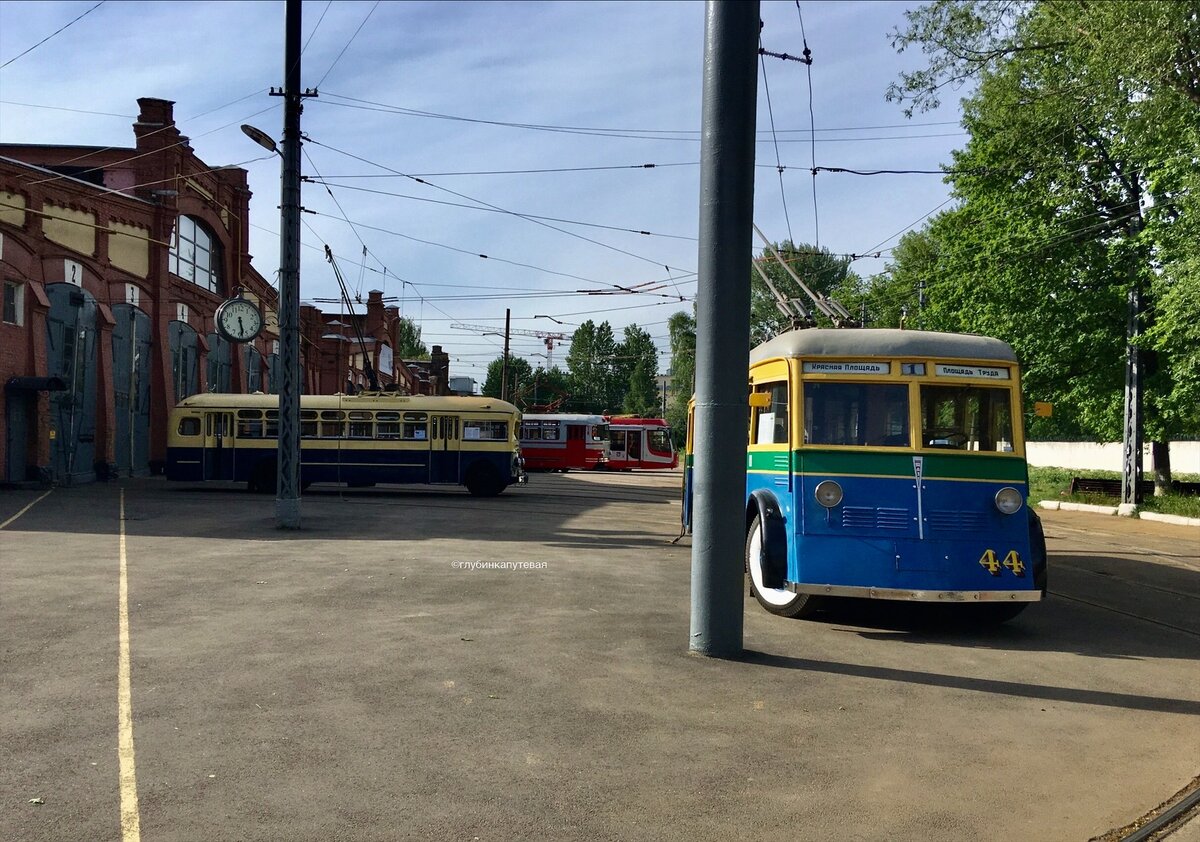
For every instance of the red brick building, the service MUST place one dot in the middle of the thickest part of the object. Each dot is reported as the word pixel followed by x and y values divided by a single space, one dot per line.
pixel 113 262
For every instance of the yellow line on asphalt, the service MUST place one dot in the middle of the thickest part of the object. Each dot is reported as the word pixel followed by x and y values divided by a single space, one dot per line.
pixel 24 510
pixel 130 822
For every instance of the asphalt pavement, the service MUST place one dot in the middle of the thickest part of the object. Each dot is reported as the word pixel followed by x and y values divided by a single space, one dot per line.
pixel 421 664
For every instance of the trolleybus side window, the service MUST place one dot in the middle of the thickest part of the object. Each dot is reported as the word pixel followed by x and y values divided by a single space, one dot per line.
pixel 856 414
pixel 485 430
pixel 308 423
pixel 333 424
pixel 361 426
pixel 966 418
pixel 249 424
pixel 770 423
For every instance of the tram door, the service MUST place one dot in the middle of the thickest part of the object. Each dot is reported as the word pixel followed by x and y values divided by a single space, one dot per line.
pixel 218 445
pixel 444 448
pixel 616 447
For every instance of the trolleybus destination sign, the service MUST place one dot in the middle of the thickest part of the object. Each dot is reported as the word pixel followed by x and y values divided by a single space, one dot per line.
pixel 847 368
pixel 977 371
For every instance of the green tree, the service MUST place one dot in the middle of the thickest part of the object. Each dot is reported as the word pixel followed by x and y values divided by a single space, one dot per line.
pixel 1077 185
pixel 636 349
pixel 408 340
pixel 682 329
pixel 519 371
pixel 590 361
pixel 641 398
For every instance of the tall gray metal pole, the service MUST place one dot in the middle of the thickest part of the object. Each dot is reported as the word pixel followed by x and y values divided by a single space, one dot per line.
pixel 723 324
pixel 1133 428
pixel 287 495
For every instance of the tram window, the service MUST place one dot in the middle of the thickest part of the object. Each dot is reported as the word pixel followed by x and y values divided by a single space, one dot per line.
pixel 189 426
pixel 660 441
pixel 308 429
pixel 272 431
pixel 485 430
pixel 599 432
pixel 531 431
pixel 361 429
pixel 856 414
pixel 333 429
pixel 415 432
pixel 617 440
pixel 770 423
pixel 966 418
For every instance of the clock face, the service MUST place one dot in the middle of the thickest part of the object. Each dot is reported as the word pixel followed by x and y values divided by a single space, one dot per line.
pixel 238 320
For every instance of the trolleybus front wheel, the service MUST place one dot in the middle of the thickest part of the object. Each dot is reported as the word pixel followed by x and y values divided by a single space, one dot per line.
pixel 779 601
pixel 483 480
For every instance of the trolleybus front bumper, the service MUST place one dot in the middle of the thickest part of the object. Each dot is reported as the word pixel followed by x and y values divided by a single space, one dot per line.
pixel 860 592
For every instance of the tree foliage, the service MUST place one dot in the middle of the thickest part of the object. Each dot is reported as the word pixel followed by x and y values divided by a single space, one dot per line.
pixel 408 340
pixel 1078 185
pixel 519 371
pixel 682 328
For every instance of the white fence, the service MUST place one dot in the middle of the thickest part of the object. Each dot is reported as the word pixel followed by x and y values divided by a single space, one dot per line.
pixel 1082 455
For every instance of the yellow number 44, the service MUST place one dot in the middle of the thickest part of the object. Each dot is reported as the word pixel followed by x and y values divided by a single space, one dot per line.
pixel 1013 562
pixel 990 562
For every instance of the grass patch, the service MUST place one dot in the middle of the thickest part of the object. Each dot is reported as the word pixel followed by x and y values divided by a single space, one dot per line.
pixel 1053 484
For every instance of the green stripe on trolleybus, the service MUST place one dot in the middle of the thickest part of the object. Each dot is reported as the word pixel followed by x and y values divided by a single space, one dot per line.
pixel 970 466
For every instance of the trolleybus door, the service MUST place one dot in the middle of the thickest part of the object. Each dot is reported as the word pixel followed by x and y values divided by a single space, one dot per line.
pixel 444 444
pixel 218 445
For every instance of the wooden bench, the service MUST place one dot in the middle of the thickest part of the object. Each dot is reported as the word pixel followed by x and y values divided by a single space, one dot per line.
pixel 1112 487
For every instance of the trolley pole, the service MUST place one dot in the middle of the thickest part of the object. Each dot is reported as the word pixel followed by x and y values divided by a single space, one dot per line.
pixel 723 324
pixel 287 495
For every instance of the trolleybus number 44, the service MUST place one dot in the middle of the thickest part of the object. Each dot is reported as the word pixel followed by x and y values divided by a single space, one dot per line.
pixel 1012 561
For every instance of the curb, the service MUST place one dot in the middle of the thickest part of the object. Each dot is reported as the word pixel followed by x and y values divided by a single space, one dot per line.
pixel 1178 520
pixel 1175 520
pixel 1055 505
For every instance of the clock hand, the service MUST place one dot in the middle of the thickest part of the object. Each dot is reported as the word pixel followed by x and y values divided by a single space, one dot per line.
pixel 241 326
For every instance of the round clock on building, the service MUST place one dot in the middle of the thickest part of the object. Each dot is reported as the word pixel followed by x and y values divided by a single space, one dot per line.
pixel 238 320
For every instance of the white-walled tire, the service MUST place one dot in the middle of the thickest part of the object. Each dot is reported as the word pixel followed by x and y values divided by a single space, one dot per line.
pixel 778 601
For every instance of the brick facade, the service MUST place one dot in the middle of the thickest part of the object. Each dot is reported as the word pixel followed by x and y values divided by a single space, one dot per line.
pixel 102 221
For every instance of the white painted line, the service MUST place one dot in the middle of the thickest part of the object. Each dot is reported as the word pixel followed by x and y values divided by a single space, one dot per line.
pixel 24 510
pixel 130 821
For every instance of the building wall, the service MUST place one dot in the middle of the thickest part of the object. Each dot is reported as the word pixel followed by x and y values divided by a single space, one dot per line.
pixel 113 247
pixel 1083 455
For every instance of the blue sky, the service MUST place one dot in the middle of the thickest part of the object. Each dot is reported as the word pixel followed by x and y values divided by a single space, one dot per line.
pixel 630 69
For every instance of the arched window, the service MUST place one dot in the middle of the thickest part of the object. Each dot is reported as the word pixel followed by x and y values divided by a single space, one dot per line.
pixel 196 254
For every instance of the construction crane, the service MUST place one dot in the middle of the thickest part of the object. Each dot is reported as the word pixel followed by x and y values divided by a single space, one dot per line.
pixel 547 337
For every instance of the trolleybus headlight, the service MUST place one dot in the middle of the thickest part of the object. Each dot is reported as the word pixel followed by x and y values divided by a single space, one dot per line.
pixel 1008 500
pixel 828 493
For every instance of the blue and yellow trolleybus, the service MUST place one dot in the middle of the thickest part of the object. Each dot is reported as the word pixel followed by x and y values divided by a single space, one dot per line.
pixel 887 464
pixel 358 440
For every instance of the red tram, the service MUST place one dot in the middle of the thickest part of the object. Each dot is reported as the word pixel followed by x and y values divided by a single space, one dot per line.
pixel 559 442
pixel 640 443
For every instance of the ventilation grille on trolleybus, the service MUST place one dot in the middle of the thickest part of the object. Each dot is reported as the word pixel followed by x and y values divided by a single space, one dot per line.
pixel 951 521
pixel 859 517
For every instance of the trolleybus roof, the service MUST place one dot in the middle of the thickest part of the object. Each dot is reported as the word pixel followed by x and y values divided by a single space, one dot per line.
pixel 881 342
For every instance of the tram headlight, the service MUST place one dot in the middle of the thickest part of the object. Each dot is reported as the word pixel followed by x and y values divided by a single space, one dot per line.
pixel 828 493
pixel 1008 500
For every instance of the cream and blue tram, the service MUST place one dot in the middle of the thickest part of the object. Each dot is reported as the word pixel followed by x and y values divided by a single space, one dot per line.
pixel 888 464
pixel 356 440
